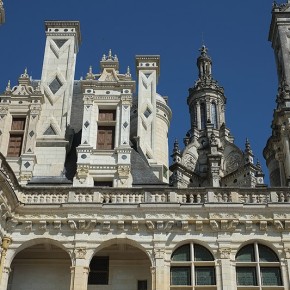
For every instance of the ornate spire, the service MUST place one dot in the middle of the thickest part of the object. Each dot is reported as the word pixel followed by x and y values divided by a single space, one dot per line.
pixel 204 63
pixel 248 147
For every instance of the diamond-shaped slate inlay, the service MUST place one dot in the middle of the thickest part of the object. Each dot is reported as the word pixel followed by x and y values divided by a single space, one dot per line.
pixel 29 150
pixel 60 42
pixel 55 85
pixel 31 134
pixel 26 164
pixel 125 125
pixel 147 113
pixel 87 124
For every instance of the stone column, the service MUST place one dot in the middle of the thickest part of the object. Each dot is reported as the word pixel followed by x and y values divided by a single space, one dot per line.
pixel 198 116
pixel 228 281
pixel 279 157
pixel 4 271
pixel 286 267
pixel 80 271
pixel 162 271
pixel 4 279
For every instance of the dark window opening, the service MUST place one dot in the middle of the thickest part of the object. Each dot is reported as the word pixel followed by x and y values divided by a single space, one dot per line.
pixel 99 271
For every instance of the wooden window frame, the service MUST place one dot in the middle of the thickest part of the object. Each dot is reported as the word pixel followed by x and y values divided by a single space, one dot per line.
pixel 17 131
pixel 106 128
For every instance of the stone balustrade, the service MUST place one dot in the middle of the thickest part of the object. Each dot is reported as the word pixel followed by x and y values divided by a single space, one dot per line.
pixel 167 195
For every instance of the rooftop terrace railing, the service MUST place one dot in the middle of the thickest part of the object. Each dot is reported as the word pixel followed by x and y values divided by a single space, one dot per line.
pixel 158 195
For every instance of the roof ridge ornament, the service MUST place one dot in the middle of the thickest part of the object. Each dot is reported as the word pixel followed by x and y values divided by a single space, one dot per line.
pixel 90 75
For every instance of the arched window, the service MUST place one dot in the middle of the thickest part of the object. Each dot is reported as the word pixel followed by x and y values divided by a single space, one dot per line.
pixel 192 264
pixel 257 265
pixel 214 116
pixel 202 115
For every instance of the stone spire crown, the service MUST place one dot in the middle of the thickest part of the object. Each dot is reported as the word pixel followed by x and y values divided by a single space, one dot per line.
pixel 204 63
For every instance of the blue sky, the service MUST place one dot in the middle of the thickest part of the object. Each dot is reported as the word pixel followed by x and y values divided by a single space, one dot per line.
pixel 235 32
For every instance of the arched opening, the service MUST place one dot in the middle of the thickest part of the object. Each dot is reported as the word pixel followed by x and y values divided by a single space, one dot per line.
pixel 120 266
pixel 214 116
pixel 202 115
pixel 192 265
pixel 41 266
pixel 258 265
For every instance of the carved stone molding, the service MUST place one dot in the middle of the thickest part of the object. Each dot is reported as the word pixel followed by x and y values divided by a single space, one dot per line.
pixel 159 253
pixel 80 253
pixel 225 253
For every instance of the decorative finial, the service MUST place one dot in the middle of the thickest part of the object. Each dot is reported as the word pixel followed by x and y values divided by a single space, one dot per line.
pixel 104 57
pixel 128 73
pixel 90 75
pixel 259 168
pixel 248 146
pixel 203 50
pixel 8 88
pixel 37 89
pixel 115 57
pixel 110 54
pixel 176 146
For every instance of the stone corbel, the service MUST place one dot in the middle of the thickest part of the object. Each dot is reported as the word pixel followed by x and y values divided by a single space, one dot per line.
pixel 121 225
pixel 150 225
pixel 57 225
pixel 106 225
pixel 42 225
pixel 224 225
pixel 135 225
pixel 233 224
pixel 90 224
pixel 82 224
pixel 72 224
pixel 169 225
pixel 28 226
pixel 159 225
pixel 287 224
pixel 249 225
pixel 184 225
pixel 214 225
pixel 279 225
pixel 263 225
pixel 199 225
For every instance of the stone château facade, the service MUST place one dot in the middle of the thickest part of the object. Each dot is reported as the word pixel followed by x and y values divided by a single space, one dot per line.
pixel 88 200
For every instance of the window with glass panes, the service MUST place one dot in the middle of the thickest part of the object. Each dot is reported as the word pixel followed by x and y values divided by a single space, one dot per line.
pixel 192 265
pixel 258 266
